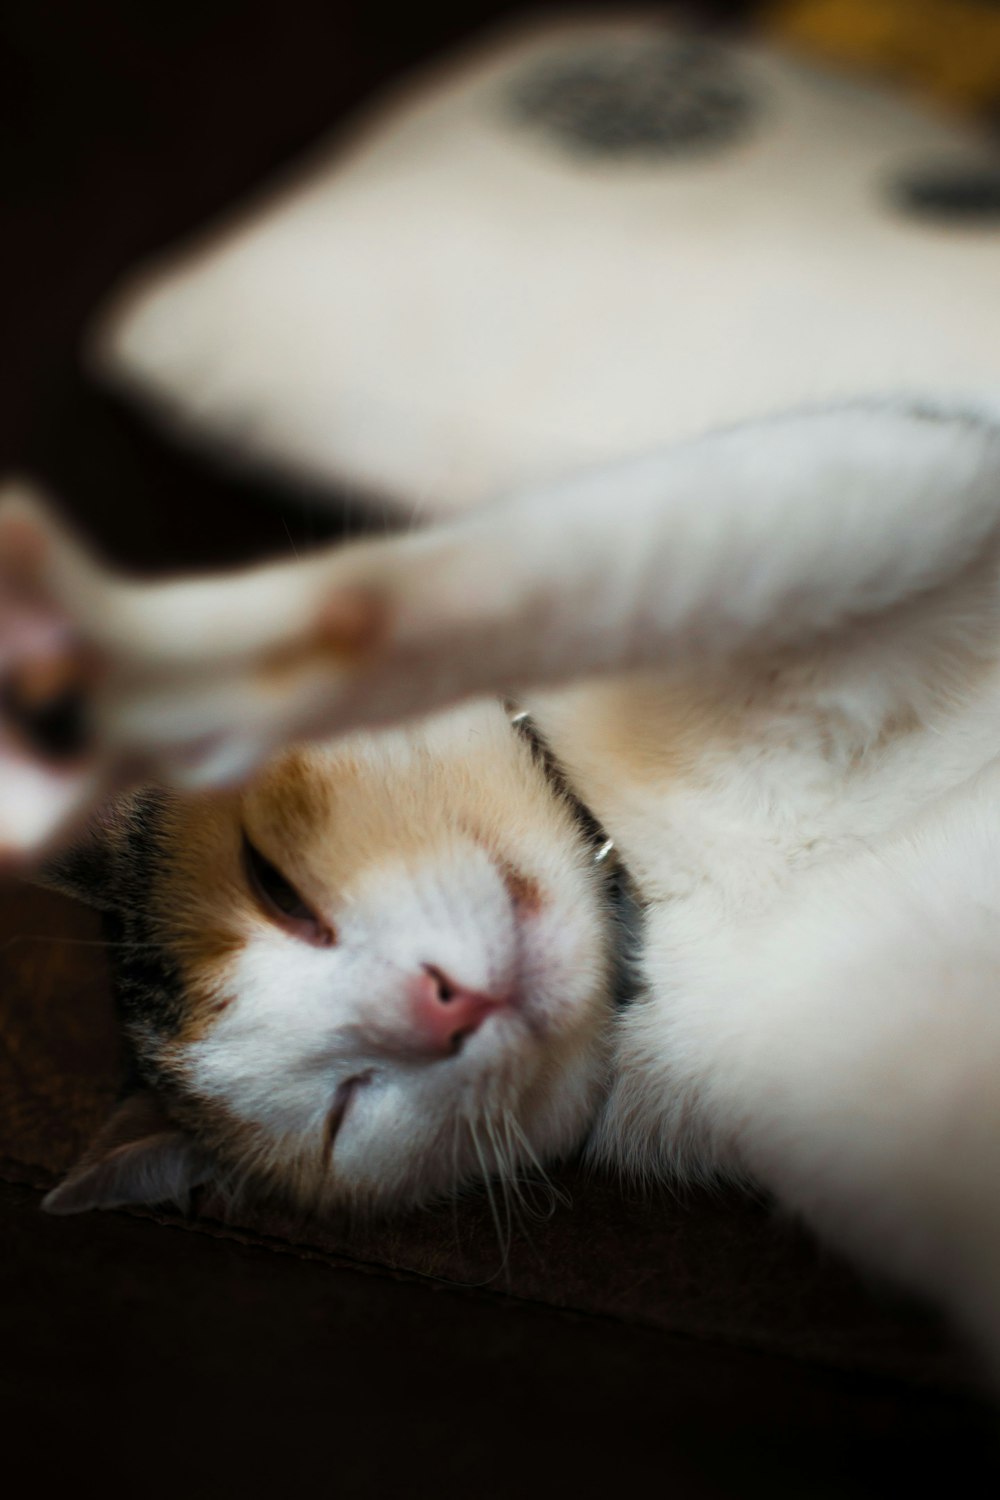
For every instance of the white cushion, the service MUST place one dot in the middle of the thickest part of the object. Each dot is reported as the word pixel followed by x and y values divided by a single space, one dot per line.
pixel 450 298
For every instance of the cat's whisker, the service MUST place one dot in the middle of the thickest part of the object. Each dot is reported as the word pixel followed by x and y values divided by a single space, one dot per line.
pixel 291 539
pixel 487 1176
pixel 512 1154
pixel 458 1122
pixel 504 1176
pixel 559 1196
pixel 520 1206
pixel 456 1126
pixel 519 1179
pixel 54 941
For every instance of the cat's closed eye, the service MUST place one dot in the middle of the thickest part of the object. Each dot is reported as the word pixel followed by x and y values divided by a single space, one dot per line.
pixel 280 901
pixel 338 1110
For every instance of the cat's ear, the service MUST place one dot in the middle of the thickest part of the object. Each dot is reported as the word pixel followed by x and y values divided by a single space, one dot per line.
pixel 87 869
pixel 139 1156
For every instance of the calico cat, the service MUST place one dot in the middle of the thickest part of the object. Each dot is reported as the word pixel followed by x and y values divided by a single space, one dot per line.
pixel 366 950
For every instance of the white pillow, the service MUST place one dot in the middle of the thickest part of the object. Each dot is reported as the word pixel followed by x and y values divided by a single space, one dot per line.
pixel 569 242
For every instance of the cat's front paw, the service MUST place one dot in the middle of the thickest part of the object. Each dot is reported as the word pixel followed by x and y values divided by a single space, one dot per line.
pixel 211 677
pixel 199 681
pixel 50 666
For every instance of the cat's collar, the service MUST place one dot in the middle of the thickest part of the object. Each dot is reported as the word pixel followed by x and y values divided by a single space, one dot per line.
pixel 603 850
pixel 624 911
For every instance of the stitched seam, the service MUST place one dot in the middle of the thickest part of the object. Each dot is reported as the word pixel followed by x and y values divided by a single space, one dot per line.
pixel 344 1261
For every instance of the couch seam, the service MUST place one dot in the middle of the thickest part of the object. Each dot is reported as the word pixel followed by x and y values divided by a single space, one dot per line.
pixel 344 1261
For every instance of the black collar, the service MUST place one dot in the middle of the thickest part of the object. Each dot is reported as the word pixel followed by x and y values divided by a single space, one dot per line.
pixel 623 906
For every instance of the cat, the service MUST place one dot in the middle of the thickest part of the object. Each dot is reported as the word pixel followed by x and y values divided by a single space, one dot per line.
pixel 368 946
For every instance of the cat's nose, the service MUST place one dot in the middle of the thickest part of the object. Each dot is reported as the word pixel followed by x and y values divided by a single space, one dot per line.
pixel 444 1012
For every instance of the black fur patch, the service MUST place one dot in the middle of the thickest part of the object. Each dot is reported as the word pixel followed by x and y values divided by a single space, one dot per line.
pixel 147 982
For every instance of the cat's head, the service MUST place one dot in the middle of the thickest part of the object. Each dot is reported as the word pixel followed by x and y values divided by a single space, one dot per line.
pixel 380 970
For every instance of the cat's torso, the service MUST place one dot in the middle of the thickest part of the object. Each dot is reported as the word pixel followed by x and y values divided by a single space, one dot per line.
pixel 760 808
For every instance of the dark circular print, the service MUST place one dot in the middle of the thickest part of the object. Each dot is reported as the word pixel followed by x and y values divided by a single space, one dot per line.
pixel 954 195
pixel 650 98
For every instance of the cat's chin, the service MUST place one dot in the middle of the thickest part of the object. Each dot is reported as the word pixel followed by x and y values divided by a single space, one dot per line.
pixel 532 1088
pixel 544 1137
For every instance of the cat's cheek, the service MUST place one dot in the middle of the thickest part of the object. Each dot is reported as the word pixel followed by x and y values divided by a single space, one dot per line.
pixel 567 953
pixel 565 963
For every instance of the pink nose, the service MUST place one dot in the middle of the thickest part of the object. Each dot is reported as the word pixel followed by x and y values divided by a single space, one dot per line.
pixel 445 1013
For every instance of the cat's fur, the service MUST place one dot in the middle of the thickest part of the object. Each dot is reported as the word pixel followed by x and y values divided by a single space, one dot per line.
pixel 783 659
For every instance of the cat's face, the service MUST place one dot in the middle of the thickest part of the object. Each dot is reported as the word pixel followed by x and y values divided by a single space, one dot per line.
pixel 392 968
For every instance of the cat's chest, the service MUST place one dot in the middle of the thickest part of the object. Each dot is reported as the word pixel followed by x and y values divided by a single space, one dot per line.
pixel 717 800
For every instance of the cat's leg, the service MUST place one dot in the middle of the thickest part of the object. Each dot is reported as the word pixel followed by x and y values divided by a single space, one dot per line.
pixel 845 1053
pixel 745 541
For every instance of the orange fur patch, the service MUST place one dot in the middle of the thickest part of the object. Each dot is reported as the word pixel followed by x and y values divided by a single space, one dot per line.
pixel 525 892
pixel 348 627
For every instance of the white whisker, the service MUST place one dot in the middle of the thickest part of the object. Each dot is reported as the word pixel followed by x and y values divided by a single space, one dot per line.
pixel 487 1182
pixel 544 1182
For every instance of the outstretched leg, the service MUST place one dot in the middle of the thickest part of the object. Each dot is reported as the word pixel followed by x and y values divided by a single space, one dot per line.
pixel 743 542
